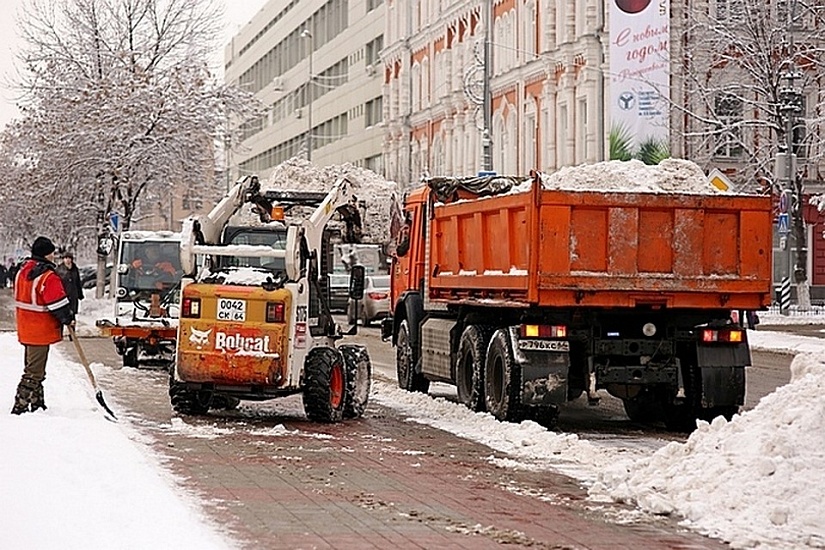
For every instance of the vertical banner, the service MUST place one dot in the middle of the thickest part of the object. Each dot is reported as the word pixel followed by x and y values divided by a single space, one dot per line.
pixel 639 73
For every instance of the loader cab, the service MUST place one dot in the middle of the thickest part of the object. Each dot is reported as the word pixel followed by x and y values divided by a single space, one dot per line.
pixel 257 236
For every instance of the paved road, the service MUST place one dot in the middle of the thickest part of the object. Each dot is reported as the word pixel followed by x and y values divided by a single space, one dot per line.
pixel 275 480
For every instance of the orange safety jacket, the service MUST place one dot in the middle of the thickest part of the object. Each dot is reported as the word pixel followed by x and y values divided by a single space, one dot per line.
pixel 38 302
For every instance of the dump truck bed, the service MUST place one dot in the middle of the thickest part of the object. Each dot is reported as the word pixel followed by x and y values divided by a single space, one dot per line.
pixel 563 248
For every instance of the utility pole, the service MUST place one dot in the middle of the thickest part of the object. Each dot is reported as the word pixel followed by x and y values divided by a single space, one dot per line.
pixel 790 97
pixel 310 92
pixel 486 136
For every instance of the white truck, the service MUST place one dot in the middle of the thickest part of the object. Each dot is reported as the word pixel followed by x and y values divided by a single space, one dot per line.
pixel 147 295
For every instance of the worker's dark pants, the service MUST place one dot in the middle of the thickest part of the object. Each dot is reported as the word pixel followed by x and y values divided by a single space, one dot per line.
pixel 30 389
pixel 35 364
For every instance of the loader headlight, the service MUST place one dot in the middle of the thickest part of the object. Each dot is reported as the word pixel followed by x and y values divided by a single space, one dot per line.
pixel 649 329
pixel 121 292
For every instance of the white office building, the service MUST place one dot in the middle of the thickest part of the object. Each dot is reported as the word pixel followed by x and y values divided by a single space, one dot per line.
pixel 315 65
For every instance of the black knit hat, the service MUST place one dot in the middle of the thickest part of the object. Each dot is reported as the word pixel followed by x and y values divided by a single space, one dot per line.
pixel 42 247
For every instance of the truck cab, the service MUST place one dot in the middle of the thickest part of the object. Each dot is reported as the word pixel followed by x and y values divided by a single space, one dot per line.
pixel 147 292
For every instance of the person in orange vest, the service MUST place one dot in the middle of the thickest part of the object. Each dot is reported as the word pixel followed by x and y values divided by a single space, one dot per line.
pixel 42 309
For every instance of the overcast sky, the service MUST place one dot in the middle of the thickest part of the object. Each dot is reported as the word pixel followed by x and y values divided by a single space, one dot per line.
pixel 238 13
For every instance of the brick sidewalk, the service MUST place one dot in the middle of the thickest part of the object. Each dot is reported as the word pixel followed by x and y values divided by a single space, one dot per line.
pixel 377 482
pixel 368 487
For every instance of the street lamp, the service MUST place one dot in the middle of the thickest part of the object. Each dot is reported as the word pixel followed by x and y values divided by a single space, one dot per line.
pixel 310 90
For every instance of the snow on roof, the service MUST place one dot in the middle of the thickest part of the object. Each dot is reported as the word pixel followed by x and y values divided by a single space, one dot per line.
pixel 150 236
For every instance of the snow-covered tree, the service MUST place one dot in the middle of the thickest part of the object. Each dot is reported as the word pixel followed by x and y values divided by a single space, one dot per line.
pixel 119 107
pixel 731 99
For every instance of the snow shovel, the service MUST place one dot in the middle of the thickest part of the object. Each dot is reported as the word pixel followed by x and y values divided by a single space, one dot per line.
pixel 85 363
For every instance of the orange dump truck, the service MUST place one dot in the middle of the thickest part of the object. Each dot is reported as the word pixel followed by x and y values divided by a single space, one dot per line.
pixel 525 294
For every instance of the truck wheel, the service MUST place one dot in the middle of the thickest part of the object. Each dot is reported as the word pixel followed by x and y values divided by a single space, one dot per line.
pixel 681 416
pixel 186 401
pixel 502 379
pixel 130 357
pixel 359 379
pixel 325 385
pixel 644 407
pixel 405 359
pixel 469 375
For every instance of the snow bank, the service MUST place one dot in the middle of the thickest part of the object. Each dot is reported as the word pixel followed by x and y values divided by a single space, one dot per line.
pixel 755 482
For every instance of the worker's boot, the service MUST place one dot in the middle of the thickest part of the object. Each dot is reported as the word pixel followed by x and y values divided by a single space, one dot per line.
pixel 23 398
pixel 37 399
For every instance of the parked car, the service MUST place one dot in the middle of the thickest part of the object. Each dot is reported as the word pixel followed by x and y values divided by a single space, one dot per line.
pixel 338 291
pixel 88 275
pixel 376 302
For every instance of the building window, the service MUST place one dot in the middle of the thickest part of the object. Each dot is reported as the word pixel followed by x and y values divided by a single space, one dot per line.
pixel 373 50
pixel 372 4
pixel 729 115
pixel 373 111
pixel 729 10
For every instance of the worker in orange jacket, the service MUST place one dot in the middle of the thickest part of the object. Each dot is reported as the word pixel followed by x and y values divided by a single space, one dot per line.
pixel 42 308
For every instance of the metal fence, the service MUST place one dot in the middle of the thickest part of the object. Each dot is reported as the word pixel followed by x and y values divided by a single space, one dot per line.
pixel 817 309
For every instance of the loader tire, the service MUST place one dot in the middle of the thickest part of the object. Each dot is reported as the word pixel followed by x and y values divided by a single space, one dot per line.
pixel 406 358
pixel 502 380
pixel 359 379
pixel 188 402
pixel 325 385
pixel 469 375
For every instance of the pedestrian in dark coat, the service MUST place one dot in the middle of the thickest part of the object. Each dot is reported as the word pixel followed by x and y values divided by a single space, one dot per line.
pixel 42 309
pixel 71 281
pixel 13 267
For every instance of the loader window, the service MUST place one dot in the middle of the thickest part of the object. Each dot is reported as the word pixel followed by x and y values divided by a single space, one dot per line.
pixel 253 236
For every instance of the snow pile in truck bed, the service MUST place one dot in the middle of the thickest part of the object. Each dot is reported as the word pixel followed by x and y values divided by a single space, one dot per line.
pixel 669 176
pixel 371 189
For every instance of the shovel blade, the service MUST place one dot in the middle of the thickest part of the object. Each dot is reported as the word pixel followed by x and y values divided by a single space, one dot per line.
pixel 99 397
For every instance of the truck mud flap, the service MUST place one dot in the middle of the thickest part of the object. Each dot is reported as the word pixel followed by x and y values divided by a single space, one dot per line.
pixel 723 386
pixel 544 378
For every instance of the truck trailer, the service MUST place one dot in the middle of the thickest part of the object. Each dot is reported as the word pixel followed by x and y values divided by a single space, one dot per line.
pixel 526 293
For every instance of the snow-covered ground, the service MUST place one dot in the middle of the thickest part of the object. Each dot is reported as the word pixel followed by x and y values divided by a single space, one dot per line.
pixel 71 479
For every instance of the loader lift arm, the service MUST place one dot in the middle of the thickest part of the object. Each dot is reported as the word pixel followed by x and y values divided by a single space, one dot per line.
pixel 303 240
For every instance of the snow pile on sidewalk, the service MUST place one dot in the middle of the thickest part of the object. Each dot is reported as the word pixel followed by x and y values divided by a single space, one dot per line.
pixel 71 479
pixel 756 482
pixel 370 188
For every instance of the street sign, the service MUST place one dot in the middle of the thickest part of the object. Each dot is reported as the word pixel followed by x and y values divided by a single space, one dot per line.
pixel 114 221
pixel 784 227
pixel 719 180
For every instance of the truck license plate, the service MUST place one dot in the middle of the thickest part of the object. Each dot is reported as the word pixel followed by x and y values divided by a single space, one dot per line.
pixel 231 310
pixel 544 345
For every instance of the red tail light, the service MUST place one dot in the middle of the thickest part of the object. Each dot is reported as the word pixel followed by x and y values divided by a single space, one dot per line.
pixel 723 335
pixel 274 312
pixel 377 295
pixel 543 331
pixel 191 307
